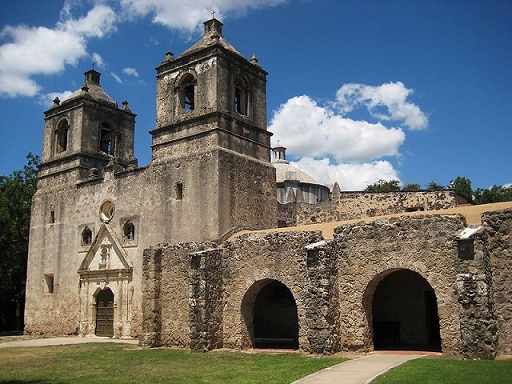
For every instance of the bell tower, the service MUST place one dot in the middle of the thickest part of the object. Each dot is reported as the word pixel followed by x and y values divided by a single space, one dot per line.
pixel 211 120
pixel 86 133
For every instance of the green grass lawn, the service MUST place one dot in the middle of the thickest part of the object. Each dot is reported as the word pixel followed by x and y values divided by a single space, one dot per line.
pixel 121 363
pixel 436 370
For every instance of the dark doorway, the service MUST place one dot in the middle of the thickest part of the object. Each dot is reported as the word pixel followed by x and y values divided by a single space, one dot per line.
pixel 275 319
pixel 405 315
pixel 105 313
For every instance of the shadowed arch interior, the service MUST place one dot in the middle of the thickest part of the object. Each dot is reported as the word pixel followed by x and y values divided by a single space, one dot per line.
pixel 404 313
pixel 270 313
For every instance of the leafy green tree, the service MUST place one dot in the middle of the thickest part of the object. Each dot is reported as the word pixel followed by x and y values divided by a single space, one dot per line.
pixel 433 186
pixel 16 193
pixel 495 194
pixel 384 186
pixel 462 187
pixel 412 187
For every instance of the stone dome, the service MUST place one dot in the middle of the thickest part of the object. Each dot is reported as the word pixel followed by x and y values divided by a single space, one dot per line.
pixel 92 89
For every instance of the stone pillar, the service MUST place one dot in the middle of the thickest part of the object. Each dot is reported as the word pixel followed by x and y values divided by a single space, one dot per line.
pixel 206 300
pixel 151 311
pixel 322 307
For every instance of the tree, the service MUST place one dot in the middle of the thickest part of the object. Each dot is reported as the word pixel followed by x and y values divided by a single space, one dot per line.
pixel 495 194
pixel 462 187
pixel 384 186
pixel 412 187
pixel 433 186
pixel 16 193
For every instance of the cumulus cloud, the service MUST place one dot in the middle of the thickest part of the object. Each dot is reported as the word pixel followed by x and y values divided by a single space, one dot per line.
pixel 384 102
pixel 130 72
pixel 46 100
pixel 350 176
pixel 312 130
pixel 188 16
pixel 32 51
pixel 331 145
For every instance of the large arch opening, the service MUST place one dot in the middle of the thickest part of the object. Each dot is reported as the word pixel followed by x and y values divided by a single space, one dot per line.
pixel 270 314
pixel 105 313
pixel 404 313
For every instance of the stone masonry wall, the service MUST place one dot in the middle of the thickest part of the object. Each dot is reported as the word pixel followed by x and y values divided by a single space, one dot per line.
pixel 210 292
pixel 498 241
pixel 353 205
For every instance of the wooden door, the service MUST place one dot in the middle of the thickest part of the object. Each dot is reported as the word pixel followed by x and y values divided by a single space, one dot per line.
pixel 105 313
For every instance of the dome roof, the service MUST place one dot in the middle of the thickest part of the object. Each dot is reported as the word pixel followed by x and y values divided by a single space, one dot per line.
pixel 286 171
pixel 92 89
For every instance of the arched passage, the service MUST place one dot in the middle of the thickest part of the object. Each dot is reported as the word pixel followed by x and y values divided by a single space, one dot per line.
pixel 105 313
pixel 404 313
pixel 270 314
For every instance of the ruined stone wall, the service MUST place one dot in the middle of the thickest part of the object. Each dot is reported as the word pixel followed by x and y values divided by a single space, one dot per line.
pixel 353 205
pixel 370 251
pixel 498 247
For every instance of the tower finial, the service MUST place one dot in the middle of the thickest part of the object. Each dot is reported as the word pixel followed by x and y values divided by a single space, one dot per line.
pixel 93 65
pixel 213 14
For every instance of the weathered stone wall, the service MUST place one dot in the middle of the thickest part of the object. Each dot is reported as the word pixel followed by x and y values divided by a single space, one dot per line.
pixel 354 205
pixel 333 284
pixel 498 248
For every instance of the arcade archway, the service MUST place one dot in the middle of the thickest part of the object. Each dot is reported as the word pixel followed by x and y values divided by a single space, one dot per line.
pixel 270 313
pixel 404 313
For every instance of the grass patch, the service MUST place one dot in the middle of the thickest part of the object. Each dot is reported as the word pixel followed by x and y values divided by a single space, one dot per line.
pixel 434 370
pixel 121 363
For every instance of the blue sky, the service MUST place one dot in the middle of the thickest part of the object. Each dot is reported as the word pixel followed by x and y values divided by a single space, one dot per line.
pixel 357 90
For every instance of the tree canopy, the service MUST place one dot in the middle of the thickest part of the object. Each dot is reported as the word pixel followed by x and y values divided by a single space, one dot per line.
pixel 16 193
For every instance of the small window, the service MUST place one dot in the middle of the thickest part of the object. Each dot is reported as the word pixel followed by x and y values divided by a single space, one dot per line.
pixel 466 249
pixel 62 136
pixel 179 191
pixel 129 231
pixel 86 236
pixel 107 211
pixel 186 93
pixel 48 279
pixel 52 217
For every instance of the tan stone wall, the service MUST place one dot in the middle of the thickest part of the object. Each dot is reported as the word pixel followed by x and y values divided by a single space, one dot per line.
pixel 333 284
pixel 499 249
pixel 354 205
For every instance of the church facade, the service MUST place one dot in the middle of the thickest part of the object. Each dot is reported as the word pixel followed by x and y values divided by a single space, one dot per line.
pixel 127 251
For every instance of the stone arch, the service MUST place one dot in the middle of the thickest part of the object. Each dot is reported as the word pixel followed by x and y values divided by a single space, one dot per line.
pixel 241 97
pixel 61 135
pixel 108 138
pixel 187 92
pixel 269 312
pixel 401 311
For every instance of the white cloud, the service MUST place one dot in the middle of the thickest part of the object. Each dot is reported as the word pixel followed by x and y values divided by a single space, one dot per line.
pixel 329 144
pixel 188 16
pixel 98 61
pixel 391 97
pixel 308 129
pixel 350 176
pixel 46 100
pixel 34 51
pixel 116 78
pixel 130 72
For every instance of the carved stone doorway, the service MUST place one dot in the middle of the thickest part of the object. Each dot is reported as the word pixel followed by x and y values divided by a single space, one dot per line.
pixel 105 313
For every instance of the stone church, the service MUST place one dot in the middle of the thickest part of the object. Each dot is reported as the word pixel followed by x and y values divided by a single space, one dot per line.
pixel 205 248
